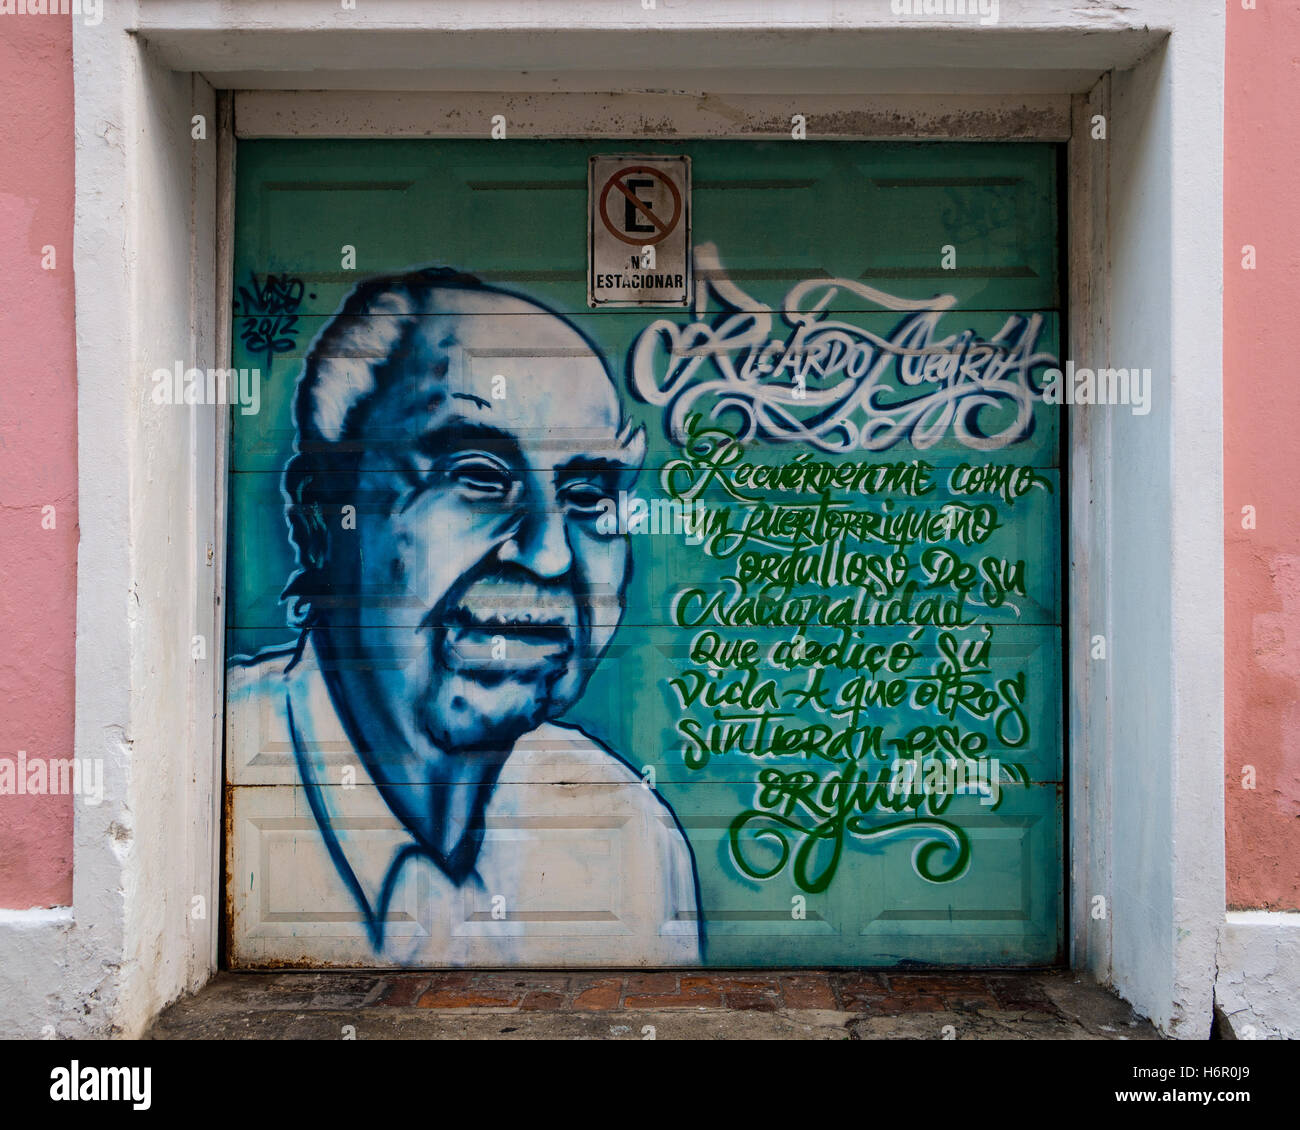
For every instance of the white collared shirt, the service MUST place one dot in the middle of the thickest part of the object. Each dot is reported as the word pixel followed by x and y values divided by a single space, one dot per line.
pixel 580 865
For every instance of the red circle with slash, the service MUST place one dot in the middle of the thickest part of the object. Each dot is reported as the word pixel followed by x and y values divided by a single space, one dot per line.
pixel 665 229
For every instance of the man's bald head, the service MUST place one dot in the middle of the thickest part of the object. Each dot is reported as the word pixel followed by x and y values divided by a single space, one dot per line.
pixel 422 323
pixel 431 344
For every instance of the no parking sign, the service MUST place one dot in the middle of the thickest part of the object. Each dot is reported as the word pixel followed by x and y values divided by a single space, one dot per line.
pixel 638 241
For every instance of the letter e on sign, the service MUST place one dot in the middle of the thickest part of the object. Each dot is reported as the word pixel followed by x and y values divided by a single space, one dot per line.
pixel 638 204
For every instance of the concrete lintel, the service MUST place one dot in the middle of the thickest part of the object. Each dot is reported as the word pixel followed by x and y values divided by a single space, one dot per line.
pixel 844 43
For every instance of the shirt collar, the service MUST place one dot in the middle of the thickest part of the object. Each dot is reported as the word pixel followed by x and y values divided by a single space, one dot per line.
pixel 348 817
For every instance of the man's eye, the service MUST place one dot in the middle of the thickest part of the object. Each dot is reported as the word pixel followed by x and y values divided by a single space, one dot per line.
pixel 585 498
pixel 483 479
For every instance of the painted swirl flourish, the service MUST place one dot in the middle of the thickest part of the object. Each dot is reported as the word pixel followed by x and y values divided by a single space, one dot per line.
pixel 832 384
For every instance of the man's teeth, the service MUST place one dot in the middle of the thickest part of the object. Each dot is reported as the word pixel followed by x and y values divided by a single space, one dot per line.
pixel 523 619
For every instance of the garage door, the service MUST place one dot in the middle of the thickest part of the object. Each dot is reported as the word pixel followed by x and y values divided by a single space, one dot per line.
pixel 725 632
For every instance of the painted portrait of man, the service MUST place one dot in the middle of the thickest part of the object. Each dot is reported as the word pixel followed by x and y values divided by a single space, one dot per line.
pixel 454 447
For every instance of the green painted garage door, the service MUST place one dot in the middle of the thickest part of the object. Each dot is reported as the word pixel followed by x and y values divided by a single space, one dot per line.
pixel 724 634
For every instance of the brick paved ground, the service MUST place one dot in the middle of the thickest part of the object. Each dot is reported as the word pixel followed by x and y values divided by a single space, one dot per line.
pixel 795 1004
pixel 883 994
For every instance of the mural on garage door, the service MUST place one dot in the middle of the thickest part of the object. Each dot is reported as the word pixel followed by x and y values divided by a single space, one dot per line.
pixel 645 637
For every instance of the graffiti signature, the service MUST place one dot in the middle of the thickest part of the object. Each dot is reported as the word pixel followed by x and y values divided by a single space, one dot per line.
pixel 827 383
pixel 270 319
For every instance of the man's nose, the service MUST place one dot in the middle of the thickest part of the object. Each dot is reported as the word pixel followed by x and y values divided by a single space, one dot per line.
pixel 540 544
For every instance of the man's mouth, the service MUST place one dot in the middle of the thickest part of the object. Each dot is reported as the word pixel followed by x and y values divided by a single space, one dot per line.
pixel 517 643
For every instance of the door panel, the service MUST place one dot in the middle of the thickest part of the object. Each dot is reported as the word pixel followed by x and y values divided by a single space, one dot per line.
pixel 730 635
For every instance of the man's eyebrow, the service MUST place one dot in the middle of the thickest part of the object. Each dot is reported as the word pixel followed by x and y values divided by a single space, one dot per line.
pixel 624 456
pixel 457 432
pixel 588 463
pixel 477 400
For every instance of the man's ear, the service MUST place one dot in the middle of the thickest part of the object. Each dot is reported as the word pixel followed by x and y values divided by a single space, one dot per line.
pixel 308 524
pixel 310 534
pixel 632 444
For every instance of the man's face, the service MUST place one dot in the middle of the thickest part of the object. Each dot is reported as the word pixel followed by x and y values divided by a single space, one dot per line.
pixel 485 591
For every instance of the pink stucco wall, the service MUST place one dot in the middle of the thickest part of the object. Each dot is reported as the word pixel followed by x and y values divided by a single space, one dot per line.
pixel 38 450
pixel 1262 453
